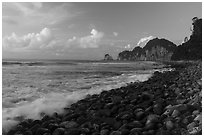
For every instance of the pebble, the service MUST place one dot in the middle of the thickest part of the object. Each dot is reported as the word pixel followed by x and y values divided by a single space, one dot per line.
pixel 104 132
pixel 59 131
pixel 175 113
pixel 116 133
pixel 191 125
pixel 169 125
pixel 69 124
pixel 198 118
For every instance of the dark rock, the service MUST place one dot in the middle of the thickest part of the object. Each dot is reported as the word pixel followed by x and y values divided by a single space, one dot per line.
pixel 53 126
pixel 41 131
pixel 135 124
pixel 139 115
pixel 73 131
pixel 158 109
pixel 59 131
pixel 116 99
pixel 116 133
pixel 28 132
pixel 34 128
pixel 69 124
pixel 169 125
pixel 85 131
pixel 136 131
pixel 104 132
pixel 125 131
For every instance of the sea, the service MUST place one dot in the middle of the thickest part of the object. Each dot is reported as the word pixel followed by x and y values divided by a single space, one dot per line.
pixel 33 87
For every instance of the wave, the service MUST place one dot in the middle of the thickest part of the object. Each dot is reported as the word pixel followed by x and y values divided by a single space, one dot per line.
pixel 37 63
pixel 56 101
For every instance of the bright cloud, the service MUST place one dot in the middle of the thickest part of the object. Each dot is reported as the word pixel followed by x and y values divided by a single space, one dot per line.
pixel 90 41
pixel 142 42
pixel 115 34
pixel 43 39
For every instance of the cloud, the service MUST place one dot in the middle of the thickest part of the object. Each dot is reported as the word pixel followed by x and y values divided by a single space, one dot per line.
pixel 90 41
pixel 31 41
pixel 115 34
pixel 142 42
pixel 36 13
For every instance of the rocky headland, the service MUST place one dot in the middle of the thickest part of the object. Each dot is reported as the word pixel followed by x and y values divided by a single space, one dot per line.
pixel 169 103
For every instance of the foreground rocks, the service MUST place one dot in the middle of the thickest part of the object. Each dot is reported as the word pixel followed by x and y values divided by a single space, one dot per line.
pixel 168 103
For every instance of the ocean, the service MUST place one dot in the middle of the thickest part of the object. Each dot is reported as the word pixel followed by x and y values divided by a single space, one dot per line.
pixel 33 87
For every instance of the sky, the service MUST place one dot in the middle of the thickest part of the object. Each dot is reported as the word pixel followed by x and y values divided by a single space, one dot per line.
pixel 87 31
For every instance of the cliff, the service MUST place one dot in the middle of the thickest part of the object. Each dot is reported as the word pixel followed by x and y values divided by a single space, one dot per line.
pixel 192 48
pixel 155 49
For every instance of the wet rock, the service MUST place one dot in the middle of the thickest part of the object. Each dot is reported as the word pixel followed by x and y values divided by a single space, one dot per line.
pixel 135 124
pixel 169 125
pixel 104 132
pixel 175 113
pixel 34 128
pixel 85 131
pixel 28 132
pixel 125 131
pixel 41 131
pixel 191 126
pixel 152 118
pixel 198 118
pixel 73 131
pixel 59 131
pixel 151 125
pixel 53 126
pixel 116 99
pixel 69 124
pixel 116 133
pixel 195 112
pixel 139 115
pixel 158 109
pixel 136 131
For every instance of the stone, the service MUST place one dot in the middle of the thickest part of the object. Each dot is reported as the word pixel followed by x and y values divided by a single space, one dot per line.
pixel 149 126
pixel 135 124
pixel 69 124
pixel 41 131
pixel 198 118
pixel 104 132
pixel 116 99
pixel 85 131
pixel 73 131
pixel 152 118
pixel 191 126
pixel 195 112
pixel 34 128
pixel 169 125
pixel 125 131
pixel 136 131
pixel 158 109
pixel 116 133
pixel 139 115
pixel 175 113
pixel 59 131
pixel 28 132
pixel 53 126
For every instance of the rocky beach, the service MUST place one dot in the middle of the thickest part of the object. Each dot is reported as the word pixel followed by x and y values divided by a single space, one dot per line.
pixel 169 103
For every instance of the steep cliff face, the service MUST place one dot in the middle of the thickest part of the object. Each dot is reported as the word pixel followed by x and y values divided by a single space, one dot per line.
pixel 155 49
pixel 191 49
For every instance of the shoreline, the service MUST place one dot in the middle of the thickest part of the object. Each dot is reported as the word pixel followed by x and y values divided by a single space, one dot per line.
pixel 124 111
